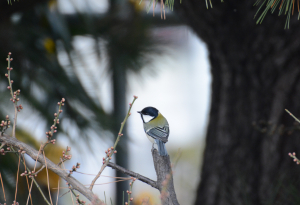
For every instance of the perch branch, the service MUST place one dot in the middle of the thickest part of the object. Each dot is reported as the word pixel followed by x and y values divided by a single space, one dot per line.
pixel 133 174
pixel 163 169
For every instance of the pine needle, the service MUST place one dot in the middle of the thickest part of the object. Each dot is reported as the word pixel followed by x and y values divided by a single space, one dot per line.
pixel 293 116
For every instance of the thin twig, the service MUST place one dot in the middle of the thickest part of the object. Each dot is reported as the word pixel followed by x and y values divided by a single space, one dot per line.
pixel 70 189
pixel 114 147
pixel 102 175
pixel 153 7
pixel 130 191
pixel 161 7
pixel 39 188
pixel 47 179
pixel 4 136
pixel 24 162
pixel 2 187
pixel 71 197
pixel 121 180
pixel 17 178
pixel 38 171
pixel 2 144
pixel 64 193
pixel 33 181
pixel 164 10
pixel 13 97
pixel 133 174
pixel 53 126
pixel 57 191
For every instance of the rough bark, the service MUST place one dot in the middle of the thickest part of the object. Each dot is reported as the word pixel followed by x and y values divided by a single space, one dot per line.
pixel 163 169
pixel 255 76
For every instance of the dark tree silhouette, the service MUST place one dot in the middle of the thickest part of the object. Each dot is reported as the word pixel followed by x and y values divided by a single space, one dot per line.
pixel 255 76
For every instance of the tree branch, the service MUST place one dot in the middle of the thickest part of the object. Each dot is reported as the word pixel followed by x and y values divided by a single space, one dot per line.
pixel 113 149
pixel 162 165
pixel 133 174
pixel 53 167
pixel 164 174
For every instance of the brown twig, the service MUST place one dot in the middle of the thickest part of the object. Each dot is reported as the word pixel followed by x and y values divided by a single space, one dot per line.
pixel 64 193
pixel 38 171
pixel 33 180
pixel 69 187
pixel 57 191
pixel 129 192
pixel 71 196
pixel 2 187
pixel 113 150
pixel 153 7
pixel 14 98
pixel 47 178
pixel 133 174
pixel 24 162
pixel 17 178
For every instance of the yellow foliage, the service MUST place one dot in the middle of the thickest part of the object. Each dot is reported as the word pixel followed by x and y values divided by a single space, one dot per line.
pixel 53 179
pixel 49 45
pixel 52 152
pixel 144 198
pixel 52 4
pixel 137 5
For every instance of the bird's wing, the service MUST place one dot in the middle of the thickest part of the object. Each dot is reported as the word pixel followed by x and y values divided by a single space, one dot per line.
pixel 161 133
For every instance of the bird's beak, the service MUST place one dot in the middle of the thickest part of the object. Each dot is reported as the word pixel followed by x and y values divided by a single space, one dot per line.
pixel 139 112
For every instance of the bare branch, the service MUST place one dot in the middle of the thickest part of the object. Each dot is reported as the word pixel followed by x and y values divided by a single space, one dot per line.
pixel 162 165
pixel 52 166
pixel 133 174
pixel 113 149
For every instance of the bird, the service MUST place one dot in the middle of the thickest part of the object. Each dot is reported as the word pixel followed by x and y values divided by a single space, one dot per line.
pixel 156 128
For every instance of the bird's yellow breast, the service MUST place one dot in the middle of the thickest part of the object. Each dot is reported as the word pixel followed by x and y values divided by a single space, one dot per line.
pixel 158 121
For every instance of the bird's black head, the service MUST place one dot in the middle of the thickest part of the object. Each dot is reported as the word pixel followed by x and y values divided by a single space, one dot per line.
pixel 151 111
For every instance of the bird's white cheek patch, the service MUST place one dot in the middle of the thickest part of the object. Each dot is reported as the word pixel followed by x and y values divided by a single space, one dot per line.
pixel 147 118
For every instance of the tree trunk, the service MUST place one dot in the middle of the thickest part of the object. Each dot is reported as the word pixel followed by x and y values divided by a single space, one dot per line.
pixel 164 173
pixel 119 95
pixel 255 76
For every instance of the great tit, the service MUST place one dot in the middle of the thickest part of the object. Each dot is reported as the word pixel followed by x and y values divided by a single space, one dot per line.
pixel 156 128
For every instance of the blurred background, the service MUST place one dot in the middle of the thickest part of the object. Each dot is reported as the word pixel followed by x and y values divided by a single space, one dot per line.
pixel 97 55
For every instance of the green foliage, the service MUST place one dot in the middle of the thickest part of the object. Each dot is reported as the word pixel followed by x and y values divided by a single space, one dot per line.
pixel 286 7
pixel 167 3
pixel 9 2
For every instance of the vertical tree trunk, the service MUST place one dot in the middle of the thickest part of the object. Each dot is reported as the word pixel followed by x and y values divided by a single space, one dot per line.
pixel 119 95
pixel 120 11
pixel 255 76
pixel 164 173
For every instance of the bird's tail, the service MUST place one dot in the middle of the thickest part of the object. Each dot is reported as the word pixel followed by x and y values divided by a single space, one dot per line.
pixel 161 147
